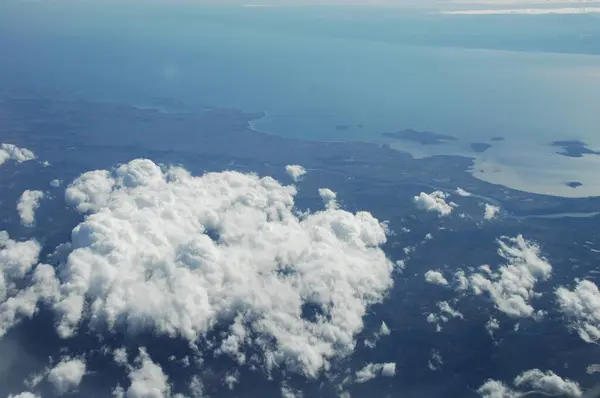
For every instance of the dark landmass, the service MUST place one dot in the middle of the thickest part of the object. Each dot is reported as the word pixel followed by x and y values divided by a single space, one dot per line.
pixel 496 139
pixel 101 135
pixel 574 148
pixel 360 125
pixel 342 127
pixel 422 137
pixel 573 184
pixel 480 146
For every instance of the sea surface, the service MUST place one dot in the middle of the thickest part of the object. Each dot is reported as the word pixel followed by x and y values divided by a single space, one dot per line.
pixel 317 82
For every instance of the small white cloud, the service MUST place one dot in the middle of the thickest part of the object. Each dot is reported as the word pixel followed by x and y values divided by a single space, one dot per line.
pixel 446 309
pixel 147 379
pixel 582 306
pixel 55 183
pixel 66 375
pixel 295 171
pixel 372 370
pixel 511 288
pixel 462 192
pixel 460 280
pixel 491 325
pixel 328 197
pixel 287 392
pixel 497 389
pixel 434 202
pixel 24 395
pixel 436 278
pixel 27 205
pixel 491 211
pixel 12 152
pixel 436 361
pixel 384 330
pixel 532 381
pixel 388 369
pixel 547 383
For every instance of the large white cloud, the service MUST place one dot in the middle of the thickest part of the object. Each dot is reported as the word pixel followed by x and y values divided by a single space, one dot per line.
pixel 435 202
pixel 295 171
pixel 582 306
pixel 12 152
pixel 511 287
pixel 532 381
pixel 27 205
pixel 180 255
pixel 66 375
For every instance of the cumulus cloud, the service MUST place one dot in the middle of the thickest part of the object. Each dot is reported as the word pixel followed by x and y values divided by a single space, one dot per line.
pixel 435 202
pixel 12 152
pixel 179 255
pixel 462 192
pixel 66 375
pixel 491 211
pixel 17 261
pixel 372 370
pixel 27 205
pixel 147 379
pixel 55 183
pixel 532 381
pixel 582 306
pixel 295 171
pixel 24 395
pixel 491 325
pixel 328 197
pixel 435 277
pixel 511 287
pixel 446 309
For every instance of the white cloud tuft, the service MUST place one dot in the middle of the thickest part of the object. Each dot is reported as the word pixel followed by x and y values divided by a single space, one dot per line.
pixel 27 205
pixel 547 382
pixel 491 211
pixel 384 330
pixel 17 260
pixel 446 309
pixel 12 152
pixel 295 171
pixel 328 197
pixel 512 286
pixel 147 379
pixel 176 254
pixel 55 183
pixel 435 277
pixel 536 382
pixel 462 192
pixel 66 375
pixel 435 202
pixel 582 305
pixel 491 325
pixel 435 362
pixel 372 370
pixel 24 395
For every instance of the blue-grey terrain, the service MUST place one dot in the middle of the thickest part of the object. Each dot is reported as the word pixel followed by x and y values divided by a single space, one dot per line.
pixel 227 201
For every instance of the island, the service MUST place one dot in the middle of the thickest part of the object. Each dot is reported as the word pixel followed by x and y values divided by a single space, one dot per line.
pixel 497 138
pixel 573 184
pixel 574 148
pixel 480 146
pixel 342 127
pixel 422 137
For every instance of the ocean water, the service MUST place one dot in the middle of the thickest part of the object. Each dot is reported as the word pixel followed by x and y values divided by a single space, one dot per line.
pixel 309 80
